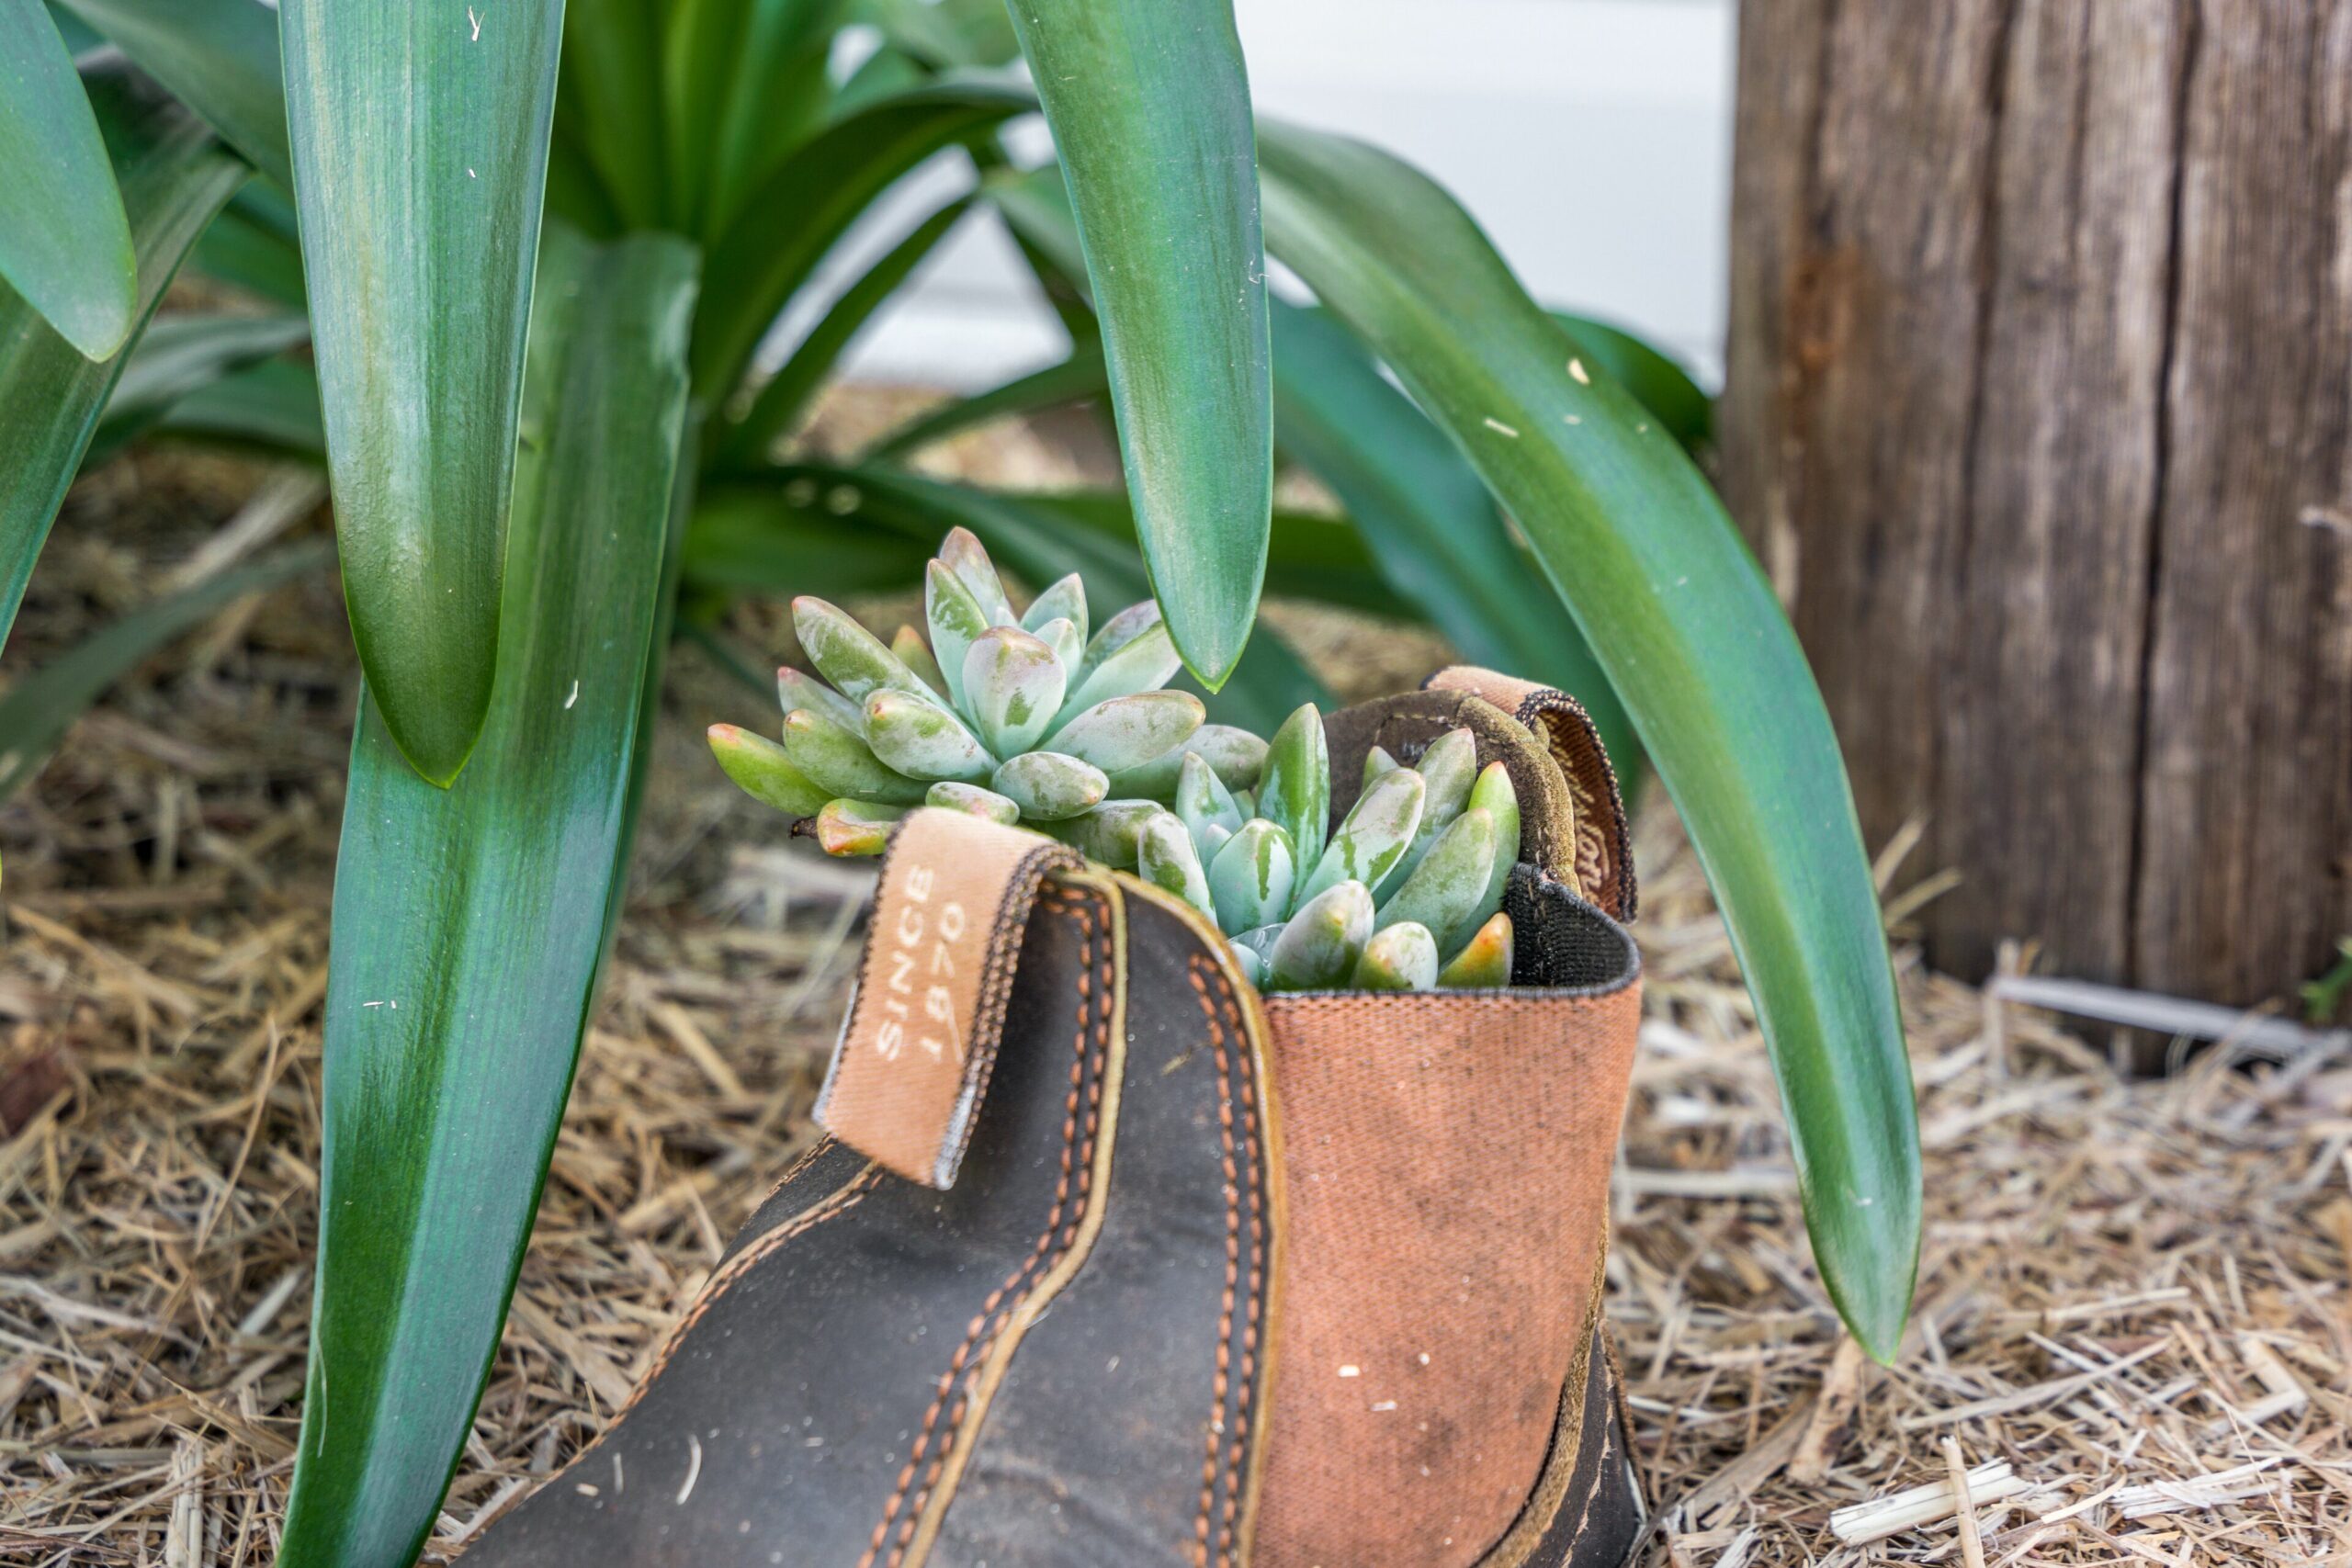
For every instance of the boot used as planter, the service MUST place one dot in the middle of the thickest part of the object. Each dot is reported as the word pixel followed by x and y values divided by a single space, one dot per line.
pixel 1108 1259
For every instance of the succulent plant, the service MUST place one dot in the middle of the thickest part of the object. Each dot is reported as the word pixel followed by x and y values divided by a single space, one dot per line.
pixel 1405 894
pixel 1026 720
pixel 1020 718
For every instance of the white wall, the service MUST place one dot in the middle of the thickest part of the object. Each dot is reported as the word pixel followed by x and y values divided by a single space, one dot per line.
pixel 1592 138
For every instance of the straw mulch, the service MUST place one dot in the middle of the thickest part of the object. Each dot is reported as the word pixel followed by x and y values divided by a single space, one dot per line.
pixel 2136 1295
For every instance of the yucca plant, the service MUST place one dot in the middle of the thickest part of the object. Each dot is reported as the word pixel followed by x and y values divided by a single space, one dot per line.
pixel 535 250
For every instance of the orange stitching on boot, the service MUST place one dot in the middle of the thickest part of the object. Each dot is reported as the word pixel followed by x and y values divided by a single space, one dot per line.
pixel 984 1323
pixel 1221 1013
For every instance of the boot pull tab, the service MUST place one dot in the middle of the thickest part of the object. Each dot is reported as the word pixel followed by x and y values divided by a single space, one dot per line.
pixel 920 1039
pixel 1604 849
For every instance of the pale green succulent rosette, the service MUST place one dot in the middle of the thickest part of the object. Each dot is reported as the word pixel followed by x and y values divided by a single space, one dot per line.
pixel 1025 720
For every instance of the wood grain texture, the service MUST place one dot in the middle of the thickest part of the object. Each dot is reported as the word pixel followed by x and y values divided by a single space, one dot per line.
pixel 2039 403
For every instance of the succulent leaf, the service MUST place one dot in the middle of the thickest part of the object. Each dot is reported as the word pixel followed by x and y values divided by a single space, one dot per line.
pixel 1295 790
pixel 1205 805
pixel 1374 834
pixel 764 772
pixel 843 764
pixel 964 555
pixel 1495 794
pixel 1118 734
pixel 846 654
pixel 974 800
pixel 956 621
pixel 1165 858
pixel 1447 768
pixel 1377 761
pixel 1064 637
pixel 915 654
pixel 1320 946
pixel 1402 957
pixel 1445 890
pixel 923 738
pixel 1251 878
pixel 1049 786
pixel 1110 832
pixel 1236 756
pixel 1012 689
pixel 856 827
pixel 1485 963
pixel 1252 967
pixel 1115 634
pixel 1063 601
pixel 1145 664
pixel 798 690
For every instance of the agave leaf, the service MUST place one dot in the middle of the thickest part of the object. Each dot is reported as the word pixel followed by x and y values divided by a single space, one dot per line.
pixel 1294 789
pixel 1251 876
pixel 64 241
pixel 1321 944
pixel 1166 858
pixel 841 763
pixel 1376 832
pixel 1484 963
pixel 1401 957
pixel 765 773
pixel 1012 689
pixel 1682 619
pixel 1125 731
pixel 1049 786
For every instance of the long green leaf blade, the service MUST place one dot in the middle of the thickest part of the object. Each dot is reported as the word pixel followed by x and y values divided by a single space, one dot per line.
pixel 219 57
pixel 469 922
pixel 420 156
pixel 788 392
pixel 178 356
pixel 38 710
pixel 1690 634
pixel 1429 519
pixel 174 179
pixel 1081 377
pixel 809 201
pixel 1658 381
pixel 1150 106
pixel 64 241
pixel 271 408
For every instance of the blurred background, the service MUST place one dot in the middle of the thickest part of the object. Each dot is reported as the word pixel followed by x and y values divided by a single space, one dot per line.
pixel 1624 214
